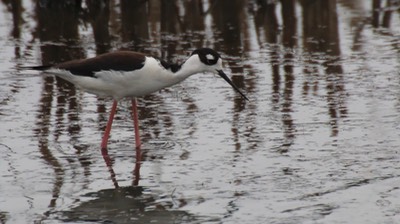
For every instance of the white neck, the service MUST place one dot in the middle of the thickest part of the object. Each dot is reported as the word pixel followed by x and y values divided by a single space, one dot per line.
pixel 190 67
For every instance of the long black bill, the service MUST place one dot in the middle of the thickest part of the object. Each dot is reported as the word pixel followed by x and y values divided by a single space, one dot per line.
pixel 223 75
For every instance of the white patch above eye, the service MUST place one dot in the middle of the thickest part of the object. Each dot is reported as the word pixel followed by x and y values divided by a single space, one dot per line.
pixel 210 57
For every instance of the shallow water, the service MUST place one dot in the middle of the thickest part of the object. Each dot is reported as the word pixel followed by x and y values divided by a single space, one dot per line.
pixel 318 142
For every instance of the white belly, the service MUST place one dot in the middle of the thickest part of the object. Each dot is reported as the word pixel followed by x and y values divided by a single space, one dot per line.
pixel 120 84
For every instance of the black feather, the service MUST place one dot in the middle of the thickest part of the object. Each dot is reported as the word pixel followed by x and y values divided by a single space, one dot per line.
pixel 38 68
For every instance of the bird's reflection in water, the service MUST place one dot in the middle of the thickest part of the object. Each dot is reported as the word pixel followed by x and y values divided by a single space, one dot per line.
pixel 109 164
pixel 125 204
pixel 136 170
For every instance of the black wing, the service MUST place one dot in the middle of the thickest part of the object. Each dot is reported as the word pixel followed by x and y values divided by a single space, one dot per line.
pixel 117 61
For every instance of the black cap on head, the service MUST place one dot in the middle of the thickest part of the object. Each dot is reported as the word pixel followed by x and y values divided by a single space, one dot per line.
pixel 207 56
pixel 210 57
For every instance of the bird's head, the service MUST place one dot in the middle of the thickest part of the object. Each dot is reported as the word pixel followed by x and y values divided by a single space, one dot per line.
pixel 211 61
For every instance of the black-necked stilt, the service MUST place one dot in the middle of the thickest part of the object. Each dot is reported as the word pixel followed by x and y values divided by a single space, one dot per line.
pixel 131 74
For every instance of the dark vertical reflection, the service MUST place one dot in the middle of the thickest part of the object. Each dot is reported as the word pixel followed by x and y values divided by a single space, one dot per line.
pixel 134 24
pixel 16 9
pixel 228 26
pixel 387 15
pixel 42 132
pixel 289 38
pixel 228 17
pixel 377 12
pixel 171 26
pixel 376 7
pixel 57 21
pixel 194 25
pixel 321 34
pixel 99 18
pixel 358 23
pixel 311 42
pixel 267 25
pixel 193 21
pixel 268 30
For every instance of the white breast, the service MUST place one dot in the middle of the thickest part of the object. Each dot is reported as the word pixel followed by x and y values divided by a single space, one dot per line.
pixel 118 84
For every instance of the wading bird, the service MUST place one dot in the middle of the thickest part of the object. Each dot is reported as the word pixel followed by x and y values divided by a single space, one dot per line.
pixel 130 74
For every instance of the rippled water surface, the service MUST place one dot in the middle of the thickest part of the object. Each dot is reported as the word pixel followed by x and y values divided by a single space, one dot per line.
pixel 318 142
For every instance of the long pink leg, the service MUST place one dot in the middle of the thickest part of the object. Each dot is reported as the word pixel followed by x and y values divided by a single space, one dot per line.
pixel 109 124
pixel 136 123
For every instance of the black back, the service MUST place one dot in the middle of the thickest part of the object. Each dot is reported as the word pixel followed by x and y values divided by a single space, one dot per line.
pixel 117 61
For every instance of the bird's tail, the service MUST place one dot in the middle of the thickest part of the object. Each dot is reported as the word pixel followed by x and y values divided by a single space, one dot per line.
pixel 38 68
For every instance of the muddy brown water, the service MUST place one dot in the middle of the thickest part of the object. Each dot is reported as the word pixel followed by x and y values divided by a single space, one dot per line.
pixel 318 142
